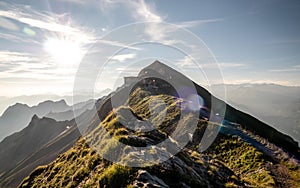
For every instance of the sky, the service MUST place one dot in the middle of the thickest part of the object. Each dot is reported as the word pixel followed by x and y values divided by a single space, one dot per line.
pixel 49 47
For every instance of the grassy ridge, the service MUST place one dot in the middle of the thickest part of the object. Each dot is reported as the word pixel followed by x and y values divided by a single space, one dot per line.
pixel 229 161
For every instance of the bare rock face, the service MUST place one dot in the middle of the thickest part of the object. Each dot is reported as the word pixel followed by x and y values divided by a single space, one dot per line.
pixel 145 180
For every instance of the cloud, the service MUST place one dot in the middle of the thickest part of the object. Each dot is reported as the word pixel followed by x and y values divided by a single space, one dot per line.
pixel 46 21
pixel 13 62
pixel 5 23
pixel 30 29
pixel 194 23
pixel 18 66
pixel 123 57
pixel 261 81
pixel 156 30
pixel 295 68
pixel 118 44
pixel 10 57
pixel 144 12
pixel 18 38
pixel 188 62
pixel 231 65
pixel 127 70
pixel 80 2
pixel 50 24
pixel 138 9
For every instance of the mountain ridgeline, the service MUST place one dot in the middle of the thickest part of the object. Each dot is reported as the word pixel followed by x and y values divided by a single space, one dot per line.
pixel 276 105
pixel 245 153
pixel 18 116
pixel 42 140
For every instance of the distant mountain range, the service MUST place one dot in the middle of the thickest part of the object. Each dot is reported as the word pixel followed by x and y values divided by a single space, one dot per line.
pixel 40 142
pixel 18 116
pixel 33 100
pixel 246 152
pixel 278 106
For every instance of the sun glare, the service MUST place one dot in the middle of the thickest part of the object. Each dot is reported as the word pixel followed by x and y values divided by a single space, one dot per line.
pixel 63 51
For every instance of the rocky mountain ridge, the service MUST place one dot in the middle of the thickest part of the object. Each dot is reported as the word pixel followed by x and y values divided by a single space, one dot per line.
pixel 245 153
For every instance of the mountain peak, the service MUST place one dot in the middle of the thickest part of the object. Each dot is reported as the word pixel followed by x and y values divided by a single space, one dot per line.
pixel 18 107
pixel 20 104
pixel 157 65
pixel 216 167
pixel 62 101
pixel 160 69
pixel 35 117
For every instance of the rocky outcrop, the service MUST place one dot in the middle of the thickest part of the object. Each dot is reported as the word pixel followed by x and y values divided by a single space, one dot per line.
pixel 146 180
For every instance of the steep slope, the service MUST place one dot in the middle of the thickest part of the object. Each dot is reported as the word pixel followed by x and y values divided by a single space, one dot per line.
pixel 37 144
pixel 43 155
pixel 247 121
pixel 21 145
pixel 240 156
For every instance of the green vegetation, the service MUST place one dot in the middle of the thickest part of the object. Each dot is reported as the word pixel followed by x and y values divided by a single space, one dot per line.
pixel 245 160
pixel 115 175
pixel 293 171
pixel 68 170
pixel 140 106
pixel 229 162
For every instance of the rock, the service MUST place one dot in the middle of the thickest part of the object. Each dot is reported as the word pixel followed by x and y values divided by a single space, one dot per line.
pixel 146 180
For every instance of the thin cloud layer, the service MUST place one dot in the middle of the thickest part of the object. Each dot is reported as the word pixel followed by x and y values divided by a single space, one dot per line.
pixel 123 57
pixel 295 68
pixel 30 28
pixel 45 21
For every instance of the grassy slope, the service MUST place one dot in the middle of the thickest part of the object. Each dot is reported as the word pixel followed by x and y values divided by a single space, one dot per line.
pixel 229 161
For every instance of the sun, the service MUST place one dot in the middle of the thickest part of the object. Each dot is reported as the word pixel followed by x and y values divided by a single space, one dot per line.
pixel 64 51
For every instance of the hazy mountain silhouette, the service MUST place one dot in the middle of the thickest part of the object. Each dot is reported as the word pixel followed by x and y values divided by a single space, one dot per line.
pixel 18 116
pixel 69 113
pixel 278 106
pixel 38 144
pixel 246 153
pixel 33 100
